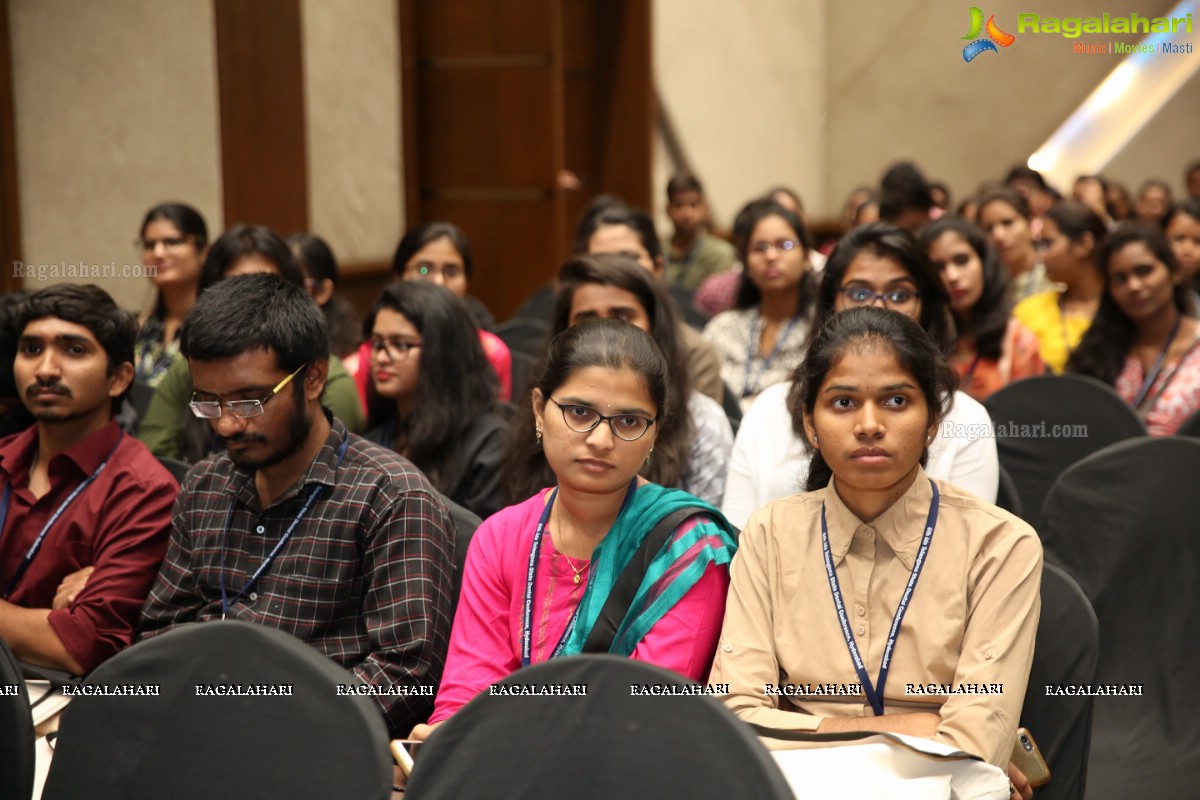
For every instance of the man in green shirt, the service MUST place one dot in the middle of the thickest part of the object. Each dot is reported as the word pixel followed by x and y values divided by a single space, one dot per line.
pixel 693 254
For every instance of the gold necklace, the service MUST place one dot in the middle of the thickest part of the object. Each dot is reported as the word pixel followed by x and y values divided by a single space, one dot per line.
pixel 577 570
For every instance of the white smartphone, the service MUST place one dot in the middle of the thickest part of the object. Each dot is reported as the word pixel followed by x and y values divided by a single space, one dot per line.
pixel 405 751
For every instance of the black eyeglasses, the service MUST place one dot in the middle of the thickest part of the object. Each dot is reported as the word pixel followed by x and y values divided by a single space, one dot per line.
pixel 584 419
pixel 397 349
pixel 211 409
pixel 893 298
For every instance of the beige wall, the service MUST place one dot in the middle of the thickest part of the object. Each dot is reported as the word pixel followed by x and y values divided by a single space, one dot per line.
pixel 1167 144
pixel 744 83
pixel 352 103
pixel 116 110
pixel 825 95
pixel 910 94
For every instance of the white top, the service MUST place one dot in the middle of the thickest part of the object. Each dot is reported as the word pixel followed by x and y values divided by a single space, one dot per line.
pixel 735 334
pixel 769 462
pixel 708 457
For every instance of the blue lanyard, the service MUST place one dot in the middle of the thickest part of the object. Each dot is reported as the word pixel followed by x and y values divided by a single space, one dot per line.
pixel 875 693
pixel 748 388
pixel 226 603
pixel 531 577
pixel 1152 376
pixel 36 547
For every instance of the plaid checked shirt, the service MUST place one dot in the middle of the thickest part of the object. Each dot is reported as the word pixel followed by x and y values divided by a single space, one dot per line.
pixel 365 577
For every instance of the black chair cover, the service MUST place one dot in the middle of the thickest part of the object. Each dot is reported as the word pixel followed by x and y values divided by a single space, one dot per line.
pixel 1067 649
pixel 1007 495
pixel 1124 524
pixel 178 469
pixel 186 745
pixel 465 522
pixel 1190 426
pixel 608 744
pixel 524 335
pixel 1032 442
pixel 16 731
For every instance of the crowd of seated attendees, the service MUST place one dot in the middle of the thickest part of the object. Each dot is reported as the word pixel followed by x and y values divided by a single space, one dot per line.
pixel 843 374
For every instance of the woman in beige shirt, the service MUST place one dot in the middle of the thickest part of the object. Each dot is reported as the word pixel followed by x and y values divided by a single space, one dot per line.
pixel 868 406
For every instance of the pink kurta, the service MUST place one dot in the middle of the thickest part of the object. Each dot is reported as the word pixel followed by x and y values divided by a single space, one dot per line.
pixel 1180 399
pixel 485 643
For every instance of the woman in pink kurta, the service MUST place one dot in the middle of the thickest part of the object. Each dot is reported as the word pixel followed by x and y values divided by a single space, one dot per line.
pixel 485 645
pixel 1142 341
pixel 539 573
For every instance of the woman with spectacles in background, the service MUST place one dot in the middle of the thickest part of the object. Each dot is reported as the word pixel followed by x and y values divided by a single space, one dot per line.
pixel 436 394
pixel 873 265
pixel 174 242
pixel 762 340
pixel 539 573
pixel 439 252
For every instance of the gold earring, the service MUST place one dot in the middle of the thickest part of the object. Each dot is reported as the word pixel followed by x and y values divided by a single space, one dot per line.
pixel 539 435
pixel 649 454
pixel 815 445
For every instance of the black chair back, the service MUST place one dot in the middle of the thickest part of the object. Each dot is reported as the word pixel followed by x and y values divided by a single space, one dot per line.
pixel 1190 426
pixel 465 522
pixel 1046 424
pixel 523 368
pixel 16 730
pixel 603 745
pixel 178 469
pixel 524 335
pixel 1123 524
pixel 1066 653
pixel 1008 496
pixel 186 744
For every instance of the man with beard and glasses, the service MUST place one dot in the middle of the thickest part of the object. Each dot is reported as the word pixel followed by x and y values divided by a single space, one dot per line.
pixel 84 509
pixel 300 525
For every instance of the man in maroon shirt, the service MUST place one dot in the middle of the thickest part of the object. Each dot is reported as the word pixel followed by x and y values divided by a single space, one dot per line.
pixel 84 509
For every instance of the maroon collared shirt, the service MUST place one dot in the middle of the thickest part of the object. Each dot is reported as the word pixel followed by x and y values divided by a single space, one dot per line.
pixel 119 525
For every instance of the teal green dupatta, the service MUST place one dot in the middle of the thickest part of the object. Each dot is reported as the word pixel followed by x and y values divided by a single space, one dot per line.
pixel 671 574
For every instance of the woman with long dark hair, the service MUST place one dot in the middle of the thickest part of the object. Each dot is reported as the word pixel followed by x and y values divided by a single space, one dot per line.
pixel 691 451
pixel 872 265
pixel 539 573
pixel 1005 218
pixel 437 395
pixel 762 340
pixel 1142 341
pixel 870 397
pixel 440 253
pixel 990 348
